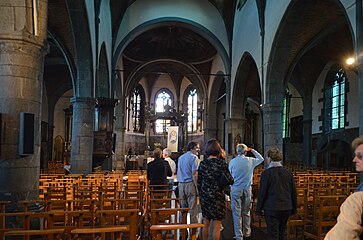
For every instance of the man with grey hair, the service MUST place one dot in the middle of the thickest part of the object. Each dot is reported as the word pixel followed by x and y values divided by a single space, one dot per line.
pixel 166 155
pixel 241 168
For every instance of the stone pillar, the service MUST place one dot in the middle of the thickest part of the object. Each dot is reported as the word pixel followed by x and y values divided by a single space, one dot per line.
pixel 238 126
pixel 118 161
pixel 22 40
pixel 359 64
pixel 307 125
pixel 50 142
pixel 210 130
pixel 51 105
pixel 227 80
pixel 272 127
pixel 82 135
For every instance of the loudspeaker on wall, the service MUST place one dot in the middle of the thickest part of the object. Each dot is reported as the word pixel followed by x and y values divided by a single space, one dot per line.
pixel 26 134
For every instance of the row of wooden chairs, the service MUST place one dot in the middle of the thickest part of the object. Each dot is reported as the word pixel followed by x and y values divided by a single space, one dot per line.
pixel 76 220
pixel 320 195
pixel 166 216
pixel 75 206
pixel 315 216
pixel 317 193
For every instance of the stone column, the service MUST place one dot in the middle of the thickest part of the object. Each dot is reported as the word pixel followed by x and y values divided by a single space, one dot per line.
pixel 50 142
pixel 307 125
pixel 82 135
pixel 210 129
pixel 227 80
pixel 51 105
pixel 238 126
pixel 272 127
pixel 21 79
pixel 359 64
pixel 118 161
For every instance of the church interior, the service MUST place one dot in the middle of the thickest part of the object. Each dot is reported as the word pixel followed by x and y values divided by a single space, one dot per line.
pixel 89 88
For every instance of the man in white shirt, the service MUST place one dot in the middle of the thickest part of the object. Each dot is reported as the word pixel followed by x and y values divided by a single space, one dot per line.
pixel 166 155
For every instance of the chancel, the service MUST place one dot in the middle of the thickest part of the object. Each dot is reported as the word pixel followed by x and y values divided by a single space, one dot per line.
pixel 89 89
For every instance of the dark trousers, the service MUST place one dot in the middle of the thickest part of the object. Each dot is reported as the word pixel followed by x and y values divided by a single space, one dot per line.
pixel 277 224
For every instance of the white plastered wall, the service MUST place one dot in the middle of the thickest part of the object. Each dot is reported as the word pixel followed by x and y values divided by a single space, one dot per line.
pixel 296 103
pixel 105 36
pixel 247 37
pixel 163 82
pixel 91 26
pixel 217 66
pixel 200 12
pixel 184 84
pixel 59 115
pixel 352 95
pixel 353 105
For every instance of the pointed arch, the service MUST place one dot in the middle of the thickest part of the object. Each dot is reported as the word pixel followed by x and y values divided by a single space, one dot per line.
pixel 102 76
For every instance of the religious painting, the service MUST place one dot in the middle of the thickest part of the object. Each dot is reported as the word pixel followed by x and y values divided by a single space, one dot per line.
pixel 173 138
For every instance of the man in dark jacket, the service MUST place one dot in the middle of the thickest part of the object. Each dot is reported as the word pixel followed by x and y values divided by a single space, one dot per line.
pixel 277 197
pixel 158 169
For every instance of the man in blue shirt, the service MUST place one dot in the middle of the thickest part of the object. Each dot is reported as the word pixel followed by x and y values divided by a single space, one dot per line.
pixel 241 168
pixel 187 180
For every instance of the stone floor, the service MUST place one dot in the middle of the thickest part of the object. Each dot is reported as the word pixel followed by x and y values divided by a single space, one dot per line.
pixel 257 233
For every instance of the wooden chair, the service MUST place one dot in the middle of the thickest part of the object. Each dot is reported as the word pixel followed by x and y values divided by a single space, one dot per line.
pixel 163 225
pixel 161 192
pixel 327 210
pixel 22 224
pixel 156 203
pixel 160 228
pixel 297 222
pixel 111 224
pixel 75 213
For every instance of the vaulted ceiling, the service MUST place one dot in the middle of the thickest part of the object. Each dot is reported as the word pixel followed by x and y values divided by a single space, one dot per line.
pixel 170 41
pixel 295 40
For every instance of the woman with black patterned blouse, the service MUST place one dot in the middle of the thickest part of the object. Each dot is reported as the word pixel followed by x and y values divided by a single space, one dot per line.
pixel 212 197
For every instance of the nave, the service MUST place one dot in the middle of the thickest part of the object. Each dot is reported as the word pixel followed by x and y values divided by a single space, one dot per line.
pixel 122 205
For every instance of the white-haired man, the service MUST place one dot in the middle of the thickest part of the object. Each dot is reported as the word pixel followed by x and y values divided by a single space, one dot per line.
pixel 241 168
pixel 166 156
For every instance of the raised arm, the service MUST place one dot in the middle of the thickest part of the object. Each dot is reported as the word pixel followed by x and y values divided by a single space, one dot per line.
pixel 258 157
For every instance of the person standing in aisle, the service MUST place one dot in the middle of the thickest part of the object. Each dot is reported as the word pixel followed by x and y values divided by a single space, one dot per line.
pixel 166 155
pixel 277 198
pixel 241 168
pixel 187 180
pixel 212 193
pixel 158 170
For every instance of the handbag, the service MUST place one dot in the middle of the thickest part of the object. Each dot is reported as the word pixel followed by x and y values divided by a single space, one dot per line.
pixel 225 179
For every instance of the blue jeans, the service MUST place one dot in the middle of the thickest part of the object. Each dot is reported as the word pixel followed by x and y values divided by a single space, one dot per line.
pixel 241 205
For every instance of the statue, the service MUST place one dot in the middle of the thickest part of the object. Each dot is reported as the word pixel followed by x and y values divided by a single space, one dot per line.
pixel 237 140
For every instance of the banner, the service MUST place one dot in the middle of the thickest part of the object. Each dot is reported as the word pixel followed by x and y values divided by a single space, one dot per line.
pixel 173 138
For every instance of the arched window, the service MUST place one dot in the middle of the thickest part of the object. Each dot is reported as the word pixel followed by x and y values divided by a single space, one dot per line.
pixel 192 110
pixel 335 90
pixel 285 114
pixel 162 99
pixel 138 107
